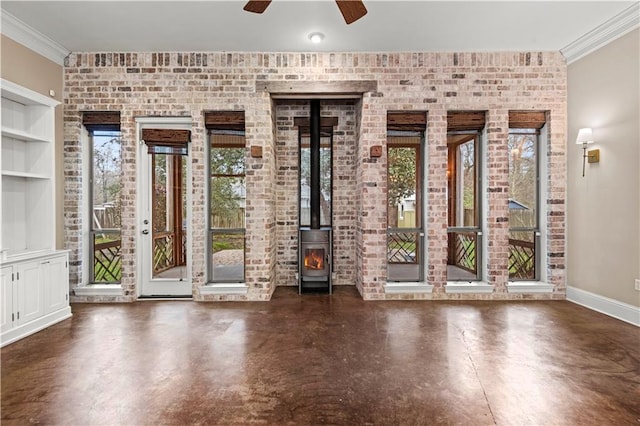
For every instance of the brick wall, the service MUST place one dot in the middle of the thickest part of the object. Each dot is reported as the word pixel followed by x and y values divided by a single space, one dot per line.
pixel 186 84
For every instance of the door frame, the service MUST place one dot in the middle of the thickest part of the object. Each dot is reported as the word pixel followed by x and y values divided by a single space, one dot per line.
pixel 142 184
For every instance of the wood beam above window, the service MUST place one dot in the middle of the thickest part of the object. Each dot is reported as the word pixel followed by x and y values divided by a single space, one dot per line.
pixel 224 120
pixel 527 119
pixel 101 120
pixel 407 120
pixel 167 141
pixel 458 121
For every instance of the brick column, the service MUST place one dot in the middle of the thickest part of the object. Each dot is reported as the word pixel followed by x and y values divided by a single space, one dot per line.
pixel 555 202
pixel 436 217
pixel 260 249
pixel 129 203
pixel 73 220
pixel 497 220
pixel 371 202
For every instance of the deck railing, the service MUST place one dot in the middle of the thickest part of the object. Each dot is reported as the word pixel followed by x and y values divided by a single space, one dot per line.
pixel 107 259
pixel 522 259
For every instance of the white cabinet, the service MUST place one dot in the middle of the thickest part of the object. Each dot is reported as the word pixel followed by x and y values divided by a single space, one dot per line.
pixel 35 295
pixel 35 278
pixel 8 300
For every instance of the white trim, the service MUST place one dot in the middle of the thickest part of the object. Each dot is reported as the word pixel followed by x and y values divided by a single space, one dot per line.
pixel 407 288
pixel 613 308
pixel 468 287
pixel 231 288
pixel 99 290
pixel 519 287
pixel 164 287
pixel 619 25
pixel 23 95
pixel 34 326
pixel 17 30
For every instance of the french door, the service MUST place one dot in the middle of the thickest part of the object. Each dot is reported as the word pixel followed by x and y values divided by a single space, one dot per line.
pixel 164 209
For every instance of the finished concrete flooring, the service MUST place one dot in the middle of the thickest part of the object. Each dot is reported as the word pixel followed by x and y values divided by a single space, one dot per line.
pixel 320 359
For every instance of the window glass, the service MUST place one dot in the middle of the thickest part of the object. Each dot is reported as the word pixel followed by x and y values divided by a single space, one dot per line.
pixel 106 205
pixel 227 197
pixel 404 206
pixel 523 204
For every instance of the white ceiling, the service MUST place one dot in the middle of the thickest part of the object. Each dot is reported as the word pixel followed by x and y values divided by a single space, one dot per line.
pixel 94 26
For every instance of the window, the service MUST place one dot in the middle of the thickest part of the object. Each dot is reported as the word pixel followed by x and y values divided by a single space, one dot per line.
pixel 227 196
pixel 405 232
pixel 523 203
pixel 464 198
pixel 105 196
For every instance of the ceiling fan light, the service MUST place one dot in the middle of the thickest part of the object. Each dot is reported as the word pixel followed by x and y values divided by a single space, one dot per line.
pixel 316 37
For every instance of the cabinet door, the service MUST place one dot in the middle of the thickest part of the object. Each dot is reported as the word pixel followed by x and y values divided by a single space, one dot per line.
pixel 7 295
pixel 29 285
pixel 56 283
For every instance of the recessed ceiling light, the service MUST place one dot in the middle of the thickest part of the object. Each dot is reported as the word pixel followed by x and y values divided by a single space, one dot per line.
pixel 316 37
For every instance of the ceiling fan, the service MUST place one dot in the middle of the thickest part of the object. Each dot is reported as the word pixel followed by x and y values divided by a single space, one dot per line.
pixel 351 10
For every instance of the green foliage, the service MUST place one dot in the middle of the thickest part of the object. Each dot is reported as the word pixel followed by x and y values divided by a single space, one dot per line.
pixel 402 174
pixel 227 171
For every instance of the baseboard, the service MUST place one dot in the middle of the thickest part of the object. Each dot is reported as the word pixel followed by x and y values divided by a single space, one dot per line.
pixel 24 330
pixel 613 308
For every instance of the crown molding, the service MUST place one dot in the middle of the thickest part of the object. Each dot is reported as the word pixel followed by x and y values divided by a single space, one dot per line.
pixel 17 30
pixel 619 25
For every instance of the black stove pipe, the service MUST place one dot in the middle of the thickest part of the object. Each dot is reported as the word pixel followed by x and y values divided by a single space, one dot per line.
pixel 314 145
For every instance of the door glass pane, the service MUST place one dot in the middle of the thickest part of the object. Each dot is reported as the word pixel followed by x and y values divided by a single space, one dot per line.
pixel 463 207
pixel 168 204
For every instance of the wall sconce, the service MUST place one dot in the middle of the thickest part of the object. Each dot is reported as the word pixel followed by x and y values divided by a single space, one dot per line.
pixel 585 137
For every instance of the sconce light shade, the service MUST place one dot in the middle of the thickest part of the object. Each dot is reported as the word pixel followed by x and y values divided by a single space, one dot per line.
pixel 585 136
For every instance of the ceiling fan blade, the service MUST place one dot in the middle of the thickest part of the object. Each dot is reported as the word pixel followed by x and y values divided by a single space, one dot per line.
pixel 352 10
pixel 256 6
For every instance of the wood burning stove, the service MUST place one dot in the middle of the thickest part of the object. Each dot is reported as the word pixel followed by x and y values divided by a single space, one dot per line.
pixel 315 259
pixel 314 264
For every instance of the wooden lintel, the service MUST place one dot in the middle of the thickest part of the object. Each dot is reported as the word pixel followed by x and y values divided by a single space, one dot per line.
pixel 324 122
pixel 465 120
pixel 101 120
pixel 407 120
pixel 527 119
pixel 174 136
pixel 233 120
pixel 347 87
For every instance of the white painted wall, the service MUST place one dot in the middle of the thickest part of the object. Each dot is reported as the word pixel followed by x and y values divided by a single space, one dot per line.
pixel 603 208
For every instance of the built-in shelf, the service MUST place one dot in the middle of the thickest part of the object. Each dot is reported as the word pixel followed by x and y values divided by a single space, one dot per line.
pixel 34 276
pixel 27 206
pixel 8 132
pixel 10 173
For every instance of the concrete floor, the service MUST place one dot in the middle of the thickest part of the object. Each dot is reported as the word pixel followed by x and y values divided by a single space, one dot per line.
pixel 316 359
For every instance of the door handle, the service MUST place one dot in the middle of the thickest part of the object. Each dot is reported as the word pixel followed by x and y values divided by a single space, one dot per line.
pixel 145 231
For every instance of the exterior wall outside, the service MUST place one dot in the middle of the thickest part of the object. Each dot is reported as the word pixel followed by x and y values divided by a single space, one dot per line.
pixel 25 67
pixel 187 84
pixel 604 206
